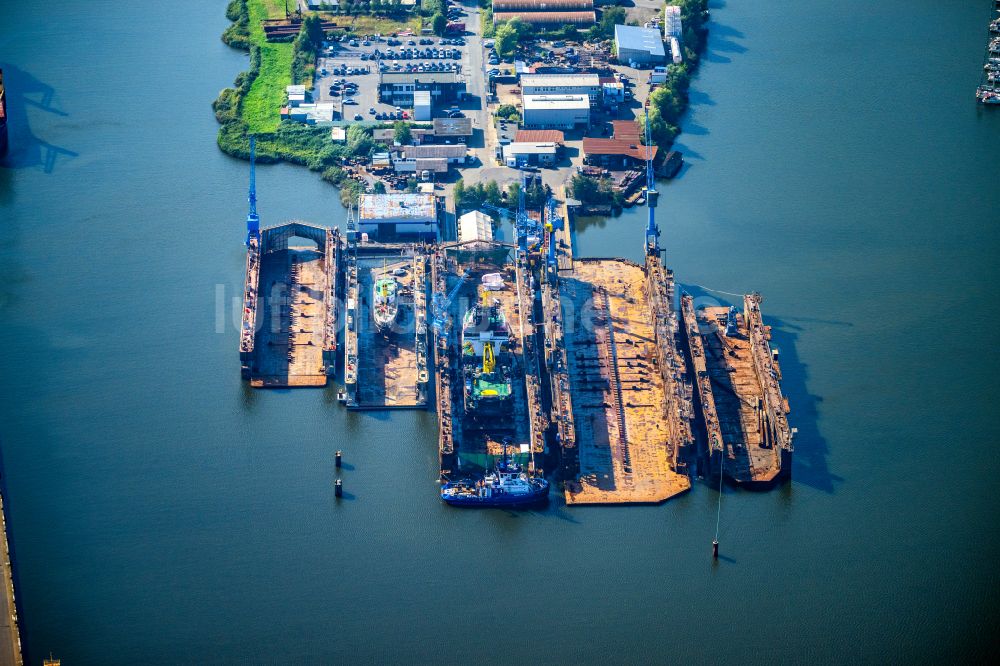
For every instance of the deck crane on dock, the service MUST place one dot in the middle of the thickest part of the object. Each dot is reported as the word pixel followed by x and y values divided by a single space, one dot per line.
pixel 524 226
pixel 550 225
pixel 253 220
pixel 652 231
pixel 442 303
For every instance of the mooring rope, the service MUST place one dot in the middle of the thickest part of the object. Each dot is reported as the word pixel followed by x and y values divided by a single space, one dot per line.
pixel 717 291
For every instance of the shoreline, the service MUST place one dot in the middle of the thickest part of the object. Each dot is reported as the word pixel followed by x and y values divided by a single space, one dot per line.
pixel 311 145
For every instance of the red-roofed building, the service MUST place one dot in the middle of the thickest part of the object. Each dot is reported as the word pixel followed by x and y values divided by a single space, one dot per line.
pixel 539 136
pixel 626 130
pixel 616 153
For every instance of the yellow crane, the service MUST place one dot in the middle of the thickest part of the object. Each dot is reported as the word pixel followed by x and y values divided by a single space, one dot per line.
pixel 489 362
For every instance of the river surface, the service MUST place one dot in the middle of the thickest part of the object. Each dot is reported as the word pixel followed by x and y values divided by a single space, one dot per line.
pixel 162 512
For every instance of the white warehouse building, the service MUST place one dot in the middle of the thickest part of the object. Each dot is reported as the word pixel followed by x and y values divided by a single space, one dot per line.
pixel 562 84
pixel 556 111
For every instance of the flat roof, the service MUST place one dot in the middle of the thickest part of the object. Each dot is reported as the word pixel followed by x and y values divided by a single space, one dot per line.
pixel 556 102
pixel 425 151
pixel 560 80
pixel 635 38
pixel 530 148
pixel 421 97
pixel 419 77
pixel 435 164
pixel 453 127
pixel 405 206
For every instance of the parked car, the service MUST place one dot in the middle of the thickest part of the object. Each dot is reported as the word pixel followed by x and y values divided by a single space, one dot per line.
pixel 455 114
pixel 358 116
pixel 350 100
pixel 372 110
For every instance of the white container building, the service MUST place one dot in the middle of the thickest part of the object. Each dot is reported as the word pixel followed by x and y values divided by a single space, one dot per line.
pixel 556 111
pixel 422 107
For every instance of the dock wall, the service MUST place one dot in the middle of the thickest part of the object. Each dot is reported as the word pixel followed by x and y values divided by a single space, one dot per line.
pixel 537 421
pixel 704 400
pixel 10 636
pixel 420 322
pixel 248 328
pixel 772 413
pixel 443 371
pixel 558 372
pixel 678 405
pixel 351 305
pixel 331 268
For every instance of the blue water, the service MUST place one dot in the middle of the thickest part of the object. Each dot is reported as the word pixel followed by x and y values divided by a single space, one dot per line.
pixel 161 511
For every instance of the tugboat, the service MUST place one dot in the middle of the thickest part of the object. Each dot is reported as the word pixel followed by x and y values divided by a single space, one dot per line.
pixel 385 308
pixel 506 486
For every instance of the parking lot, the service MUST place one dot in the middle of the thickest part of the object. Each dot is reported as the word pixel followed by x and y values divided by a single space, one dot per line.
pixel 347 73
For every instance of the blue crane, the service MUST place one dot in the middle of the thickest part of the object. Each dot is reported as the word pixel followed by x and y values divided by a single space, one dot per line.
pixel 652 230
pixel 253 220
pixel 550 221
pixel 442 303
pixel 524 226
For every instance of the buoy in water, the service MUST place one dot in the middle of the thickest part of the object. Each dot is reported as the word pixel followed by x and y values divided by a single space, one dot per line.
pixel 338 458
pixel 715 547
pixel 338 488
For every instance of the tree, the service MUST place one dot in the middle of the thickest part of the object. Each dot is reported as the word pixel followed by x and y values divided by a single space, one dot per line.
pixel 359 141
pixel 605 28
pixel 506 111
pixel 585 188
pixel 491 192
pixel 402 133
pixel 438 24
pixel 379 187
pixel 313 28
pixel 505 40
pixel 458 194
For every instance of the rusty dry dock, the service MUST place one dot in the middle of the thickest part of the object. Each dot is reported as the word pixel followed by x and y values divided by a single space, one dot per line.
pixel 626 407
pixel 739 399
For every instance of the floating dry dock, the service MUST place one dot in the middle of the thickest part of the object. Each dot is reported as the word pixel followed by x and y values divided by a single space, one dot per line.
pixel 468 443
pixel 289 331
pixel 581 366
pixel 738 397
pixel 626 398
pixel 385 370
